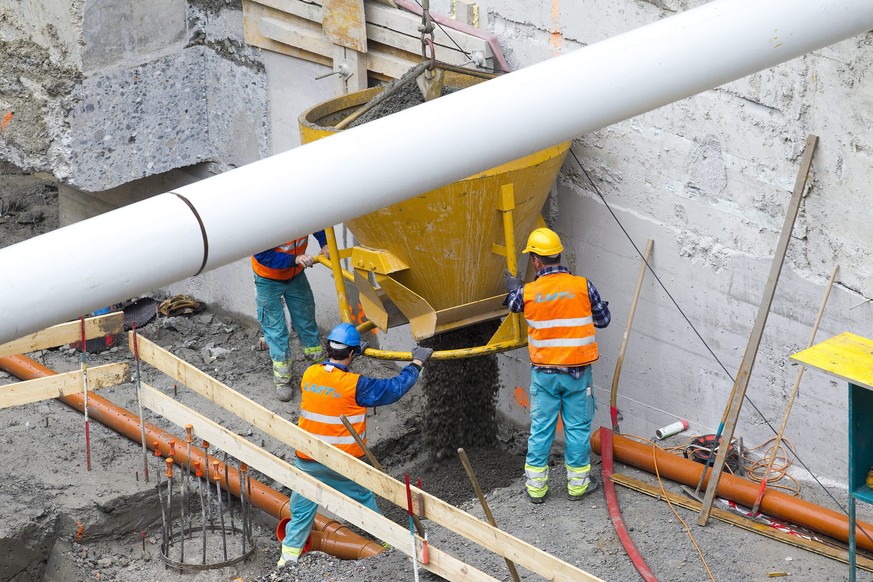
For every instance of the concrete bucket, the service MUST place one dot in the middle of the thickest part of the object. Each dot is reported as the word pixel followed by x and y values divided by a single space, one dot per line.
pixel 437 260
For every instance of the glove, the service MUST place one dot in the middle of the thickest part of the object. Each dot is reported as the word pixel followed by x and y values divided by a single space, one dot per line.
pixel 421 354
pixel 512 282
pixel 363 347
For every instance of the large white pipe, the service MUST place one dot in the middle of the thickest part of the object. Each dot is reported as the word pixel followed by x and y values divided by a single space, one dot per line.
pixel 70 271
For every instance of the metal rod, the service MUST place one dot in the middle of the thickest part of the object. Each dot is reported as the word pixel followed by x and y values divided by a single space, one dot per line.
pixel 242 503
pixel 199 474
pixel 469 468
pixel 142 430
pixel 208 486
pixel 217 476
pixel 189 438
pixel 227 488
pixel 169 462
pixel 164 535
pixel 85 388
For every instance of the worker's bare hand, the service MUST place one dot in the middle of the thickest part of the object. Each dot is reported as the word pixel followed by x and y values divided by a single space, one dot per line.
pixel 326 252
pixel 304 260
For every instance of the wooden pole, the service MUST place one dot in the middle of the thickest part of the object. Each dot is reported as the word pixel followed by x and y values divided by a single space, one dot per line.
pixel 419 527
pixel 469 468
pixel 613 397
pixel 794 392
pixel 742 381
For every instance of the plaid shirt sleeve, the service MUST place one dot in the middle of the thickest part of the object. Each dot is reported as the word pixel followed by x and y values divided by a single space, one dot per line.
pixel 515 300
pixel 599 308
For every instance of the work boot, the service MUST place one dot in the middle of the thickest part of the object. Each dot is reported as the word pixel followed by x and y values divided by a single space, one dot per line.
pixel 282 380
pixel 592 486
pixel 536 500
pixel 288 556
pixel 284 392
pixel 314 354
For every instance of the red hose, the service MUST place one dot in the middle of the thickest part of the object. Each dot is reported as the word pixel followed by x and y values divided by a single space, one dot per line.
pixel 615 513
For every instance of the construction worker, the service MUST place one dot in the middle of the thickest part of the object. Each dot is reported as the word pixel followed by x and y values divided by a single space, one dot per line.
pixel 562 311
pixel 329 391
pixel 279 273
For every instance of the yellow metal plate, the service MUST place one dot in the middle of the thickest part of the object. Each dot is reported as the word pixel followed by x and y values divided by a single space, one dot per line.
pixel 846 356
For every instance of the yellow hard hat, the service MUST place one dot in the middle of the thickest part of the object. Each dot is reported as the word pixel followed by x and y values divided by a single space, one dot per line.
pixel 544 242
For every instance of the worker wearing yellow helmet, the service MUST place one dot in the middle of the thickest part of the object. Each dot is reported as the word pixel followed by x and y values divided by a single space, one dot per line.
pixel 562 311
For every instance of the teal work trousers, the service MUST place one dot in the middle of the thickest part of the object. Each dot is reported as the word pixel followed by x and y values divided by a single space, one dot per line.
pixel 271 314
pixel 553 394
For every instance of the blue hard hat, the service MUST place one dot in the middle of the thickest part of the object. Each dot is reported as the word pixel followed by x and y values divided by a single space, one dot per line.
pixel 345 334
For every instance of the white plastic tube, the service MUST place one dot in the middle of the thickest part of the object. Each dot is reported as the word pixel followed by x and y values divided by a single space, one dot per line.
pixel 671 429
pixel 63 274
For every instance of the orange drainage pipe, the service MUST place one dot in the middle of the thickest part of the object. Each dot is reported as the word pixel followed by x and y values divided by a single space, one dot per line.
pixel 745 492
pixel 335 538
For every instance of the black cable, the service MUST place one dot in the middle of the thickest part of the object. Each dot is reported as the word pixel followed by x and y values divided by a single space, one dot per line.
pixel 655 275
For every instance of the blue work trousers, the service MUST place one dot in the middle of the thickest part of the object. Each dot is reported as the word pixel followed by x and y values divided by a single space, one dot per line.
pixel 271 314
pixel 551 394
pixel 303 510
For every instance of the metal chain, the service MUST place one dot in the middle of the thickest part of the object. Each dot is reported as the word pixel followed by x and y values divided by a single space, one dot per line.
pixel 427 41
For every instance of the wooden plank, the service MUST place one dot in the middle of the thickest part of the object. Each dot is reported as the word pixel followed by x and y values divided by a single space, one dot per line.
pixel 440 562
pixel 394 28
pixel 344 23
pixel 489 537
pixel 814 546
pixel 295 34
pixel 59 385
pixel 846 356
pixel 64 333
pixel 738 393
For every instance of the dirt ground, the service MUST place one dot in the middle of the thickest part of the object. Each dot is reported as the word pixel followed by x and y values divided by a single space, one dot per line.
pixel 59 521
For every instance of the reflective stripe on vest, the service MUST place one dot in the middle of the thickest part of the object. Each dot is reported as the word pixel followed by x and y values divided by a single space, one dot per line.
pixel 328 393
pixel 294 248
pixel 560 324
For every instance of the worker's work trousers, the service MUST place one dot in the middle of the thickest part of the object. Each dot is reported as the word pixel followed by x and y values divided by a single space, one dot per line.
pixel 551 395
pixel 303 510
pixel 271 314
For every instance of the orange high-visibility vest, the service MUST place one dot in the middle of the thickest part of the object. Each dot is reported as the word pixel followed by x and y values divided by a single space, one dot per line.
pixel 329 392
pixel 292 247
pixel 560 328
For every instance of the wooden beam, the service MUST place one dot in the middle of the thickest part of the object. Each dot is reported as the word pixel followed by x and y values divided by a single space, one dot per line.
pixel 295 28
pixel 440 562
pixel 820 548
pixel 61 385
pixel 64 333
pixel 738 393
pixel 487 536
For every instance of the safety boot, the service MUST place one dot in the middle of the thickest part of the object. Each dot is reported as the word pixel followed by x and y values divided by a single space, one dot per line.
pixel 314 354
pixel 282 380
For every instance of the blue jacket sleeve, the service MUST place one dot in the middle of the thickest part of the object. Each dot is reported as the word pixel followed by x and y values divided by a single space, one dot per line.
pixel 273 259
pixel 381 392
pixel 322 240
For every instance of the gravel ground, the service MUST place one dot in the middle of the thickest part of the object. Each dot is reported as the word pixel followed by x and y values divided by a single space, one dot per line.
pixel 61 522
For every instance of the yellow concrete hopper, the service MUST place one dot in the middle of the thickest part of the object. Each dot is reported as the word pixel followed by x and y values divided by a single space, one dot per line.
pixel 439 257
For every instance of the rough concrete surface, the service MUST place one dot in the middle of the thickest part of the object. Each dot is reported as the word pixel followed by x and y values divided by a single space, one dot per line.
pixel 60 522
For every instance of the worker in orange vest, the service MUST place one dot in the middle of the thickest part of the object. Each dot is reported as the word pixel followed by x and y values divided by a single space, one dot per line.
pixel 279 274
pixel 562 311
pixel 330 391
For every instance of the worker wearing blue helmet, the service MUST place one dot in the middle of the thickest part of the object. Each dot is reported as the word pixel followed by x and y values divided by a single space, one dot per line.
pixel 329 391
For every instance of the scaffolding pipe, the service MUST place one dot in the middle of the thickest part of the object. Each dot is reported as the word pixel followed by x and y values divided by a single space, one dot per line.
pixel 742 491
pixel 334 538
pixel 226 217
